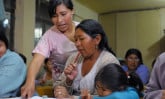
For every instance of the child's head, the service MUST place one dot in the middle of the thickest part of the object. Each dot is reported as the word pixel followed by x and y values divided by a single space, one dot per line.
pixel 113 78
pixel 48 65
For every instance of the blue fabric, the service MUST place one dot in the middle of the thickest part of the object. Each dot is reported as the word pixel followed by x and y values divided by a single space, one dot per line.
pixel 129 93
pixel 142 71
pixel 2 10
pixel 12 74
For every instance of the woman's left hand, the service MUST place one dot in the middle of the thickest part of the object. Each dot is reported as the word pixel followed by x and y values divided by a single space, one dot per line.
pixel 61 92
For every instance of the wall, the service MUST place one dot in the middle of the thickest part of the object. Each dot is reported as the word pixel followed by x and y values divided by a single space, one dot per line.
pixel 110 28
pixel 24 27
pixel 82 12
pixel 138 29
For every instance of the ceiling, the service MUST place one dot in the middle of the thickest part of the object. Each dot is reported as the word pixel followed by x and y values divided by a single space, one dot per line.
pixel 108 6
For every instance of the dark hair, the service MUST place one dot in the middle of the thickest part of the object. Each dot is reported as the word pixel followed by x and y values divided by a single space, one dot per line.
pixel 23 57
pixel 136 52
pixel 118 79
pixel 93 28
pixel 3 37
pixel 46 60
pixel 54 3
pixel 45 63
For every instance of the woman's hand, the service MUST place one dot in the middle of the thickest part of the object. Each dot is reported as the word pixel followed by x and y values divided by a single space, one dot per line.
pixel 61 92
pixel 163 94
pixel 71 71
pixel 27 90
pixel 85 94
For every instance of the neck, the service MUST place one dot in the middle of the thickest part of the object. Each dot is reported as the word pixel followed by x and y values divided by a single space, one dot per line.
pixel 94 56
pixel 71 31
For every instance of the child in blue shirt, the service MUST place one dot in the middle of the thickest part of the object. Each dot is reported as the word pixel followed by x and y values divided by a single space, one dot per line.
pixel 112 82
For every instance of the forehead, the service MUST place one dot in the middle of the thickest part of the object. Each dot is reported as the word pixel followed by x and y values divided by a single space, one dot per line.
pixel 79 32
pixel 61 8
pixel 132 55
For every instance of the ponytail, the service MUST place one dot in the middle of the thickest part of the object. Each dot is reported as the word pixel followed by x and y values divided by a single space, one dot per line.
pixel 135 81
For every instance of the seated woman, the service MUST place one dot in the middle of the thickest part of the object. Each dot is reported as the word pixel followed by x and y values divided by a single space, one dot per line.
pixel 46 79
pixel 112 82
pixel 82 67
pixel 134 63
pixel 12 69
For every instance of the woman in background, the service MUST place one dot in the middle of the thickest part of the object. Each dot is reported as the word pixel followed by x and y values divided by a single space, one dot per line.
pixel 134 63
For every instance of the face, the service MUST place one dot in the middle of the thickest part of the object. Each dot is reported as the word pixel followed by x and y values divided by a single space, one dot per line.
pixel 63 18
pixel 49 65
pixel 99 88
pixel 2 48
pixel 132 62
pixel 84 43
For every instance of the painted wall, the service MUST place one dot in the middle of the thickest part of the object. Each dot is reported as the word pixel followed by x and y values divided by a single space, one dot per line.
pixel 82 12
pixel 24 27
pixel 110 28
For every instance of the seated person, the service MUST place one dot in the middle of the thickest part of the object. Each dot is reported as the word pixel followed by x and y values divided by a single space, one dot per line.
pixel 82 67
pixel 155 89
pixel 12 69
pixel 112 82
pixel 134 63
pixel 46 79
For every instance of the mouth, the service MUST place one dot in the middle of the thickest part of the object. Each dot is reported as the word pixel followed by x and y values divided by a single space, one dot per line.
pixel 62 25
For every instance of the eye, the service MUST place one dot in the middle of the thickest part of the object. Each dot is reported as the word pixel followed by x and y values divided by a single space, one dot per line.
pixel 82 38
pixel 63 13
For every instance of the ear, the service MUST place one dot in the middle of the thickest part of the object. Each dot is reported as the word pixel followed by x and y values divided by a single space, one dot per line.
pixel 73 12
pixel 98 39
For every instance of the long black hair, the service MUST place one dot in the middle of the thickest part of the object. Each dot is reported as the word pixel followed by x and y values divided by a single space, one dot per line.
pixel 93 28
pixel 54 3
pixel 114 78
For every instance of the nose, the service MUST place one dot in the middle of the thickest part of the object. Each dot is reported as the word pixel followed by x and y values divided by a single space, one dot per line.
pixel 59 18
pixel 77 43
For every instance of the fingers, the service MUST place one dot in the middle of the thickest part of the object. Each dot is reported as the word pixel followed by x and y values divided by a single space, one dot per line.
pixel 60 92
pixel 26 92
pixel 69 69
pixel 85 93
pixel 73 75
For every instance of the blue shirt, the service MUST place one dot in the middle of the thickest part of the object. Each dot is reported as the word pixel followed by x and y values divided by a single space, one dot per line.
pixel 142 71
pixel 129 93
pixel 12 74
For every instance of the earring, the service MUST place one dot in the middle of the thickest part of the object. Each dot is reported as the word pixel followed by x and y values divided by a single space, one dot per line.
pixel 96 46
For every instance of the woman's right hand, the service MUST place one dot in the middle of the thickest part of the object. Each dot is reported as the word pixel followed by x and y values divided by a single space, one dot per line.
pixel 85 94
pixel 71 71
pixel 27 90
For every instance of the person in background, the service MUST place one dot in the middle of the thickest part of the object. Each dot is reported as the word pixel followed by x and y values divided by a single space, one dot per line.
pixel 12 69
pixel 82 66
pixel 119 85
pixel 46 79
pixel 57 43
pixel 155 89
pixel 134 63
